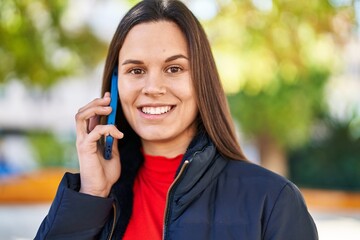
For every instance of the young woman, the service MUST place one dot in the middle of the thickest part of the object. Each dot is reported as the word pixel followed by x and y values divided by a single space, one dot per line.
pixel 177 171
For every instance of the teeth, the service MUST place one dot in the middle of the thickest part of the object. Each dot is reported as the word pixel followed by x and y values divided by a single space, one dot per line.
pixel 156 110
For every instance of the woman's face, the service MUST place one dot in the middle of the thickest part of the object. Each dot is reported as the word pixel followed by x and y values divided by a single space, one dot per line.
pixel 155 87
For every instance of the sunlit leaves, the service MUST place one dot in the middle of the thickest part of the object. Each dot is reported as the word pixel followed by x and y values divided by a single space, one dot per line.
pixel 274 61
pixel 34 46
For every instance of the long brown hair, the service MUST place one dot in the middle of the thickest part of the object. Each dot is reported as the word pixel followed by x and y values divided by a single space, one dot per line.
pixel 214 115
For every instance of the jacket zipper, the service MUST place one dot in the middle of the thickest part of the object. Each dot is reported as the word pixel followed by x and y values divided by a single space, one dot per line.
pixel 166 212
pixel 114 222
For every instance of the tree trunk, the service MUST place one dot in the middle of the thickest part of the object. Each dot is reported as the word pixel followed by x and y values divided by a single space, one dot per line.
pixel 272 155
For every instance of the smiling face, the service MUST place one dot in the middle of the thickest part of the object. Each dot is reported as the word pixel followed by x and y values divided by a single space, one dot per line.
pixel 155 87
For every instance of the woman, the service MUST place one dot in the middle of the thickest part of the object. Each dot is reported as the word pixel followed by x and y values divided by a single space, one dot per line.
pixel 177 171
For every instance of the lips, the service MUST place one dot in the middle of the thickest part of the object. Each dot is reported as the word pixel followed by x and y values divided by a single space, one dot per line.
pixel 156 110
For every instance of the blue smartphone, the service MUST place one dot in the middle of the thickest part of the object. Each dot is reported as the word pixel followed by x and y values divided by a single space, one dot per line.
pixel 111 118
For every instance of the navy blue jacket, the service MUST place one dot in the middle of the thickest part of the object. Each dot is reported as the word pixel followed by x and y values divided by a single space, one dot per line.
pixel 212 197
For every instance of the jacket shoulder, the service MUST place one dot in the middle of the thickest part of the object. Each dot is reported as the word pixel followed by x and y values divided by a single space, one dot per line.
pixel 74 215
pixel 253 174
pixel 263 187
pixel 274 199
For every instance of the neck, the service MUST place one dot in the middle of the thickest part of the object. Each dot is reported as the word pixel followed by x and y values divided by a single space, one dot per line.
pixel 169 149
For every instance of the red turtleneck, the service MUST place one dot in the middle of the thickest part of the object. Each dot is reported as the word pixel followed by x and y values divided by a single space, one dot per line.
pixel 150 190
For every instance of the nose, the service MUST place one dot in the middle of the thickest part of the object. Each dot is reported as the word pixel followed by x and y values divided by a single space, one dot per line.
pixel 154 85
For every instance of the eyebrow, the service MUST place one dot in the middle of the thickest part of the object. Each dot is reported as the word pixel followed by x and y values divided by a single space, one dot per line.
pixel 169 59
pixel 131 61
pixel 172 58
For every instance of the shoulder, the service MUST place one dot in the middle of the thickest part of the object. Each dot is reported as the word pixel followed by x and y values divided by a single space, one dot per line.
pixel 256 182
pixel 74 215
pixel 272 199
pixel 254 174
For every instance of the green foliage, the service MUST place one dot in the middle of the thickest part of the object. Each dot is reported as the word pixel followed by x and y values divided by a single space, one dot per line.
pixel 51 151
pixel 35 46
pixel 274 63
pixel 286 114
pixel 332 162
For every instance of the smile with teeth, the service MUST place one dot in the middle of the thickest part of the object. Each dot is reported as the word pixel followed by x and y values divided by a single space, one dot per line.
pixel 156 110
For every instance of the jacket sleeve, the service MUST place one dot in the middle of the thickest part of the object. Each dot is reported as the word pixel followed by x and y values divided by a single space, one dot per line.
pixel 290 218
pixel 74 215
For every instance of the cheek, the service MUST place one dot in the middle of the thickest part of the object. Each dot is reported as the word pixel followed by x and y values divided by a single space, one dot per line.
pixel 193 109
pixel 190 103
pixel 188 94
pixel 183 88
pixel 126 107
pixel 126 100
pixel 127 92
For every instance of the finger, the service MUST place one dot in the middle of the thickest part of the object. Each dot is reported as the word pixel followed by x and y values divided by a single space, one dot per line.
pixel 107 94
pixel 82 118
pixel 93 121
pixel 104 101
pixel 82 124
pixel 104 130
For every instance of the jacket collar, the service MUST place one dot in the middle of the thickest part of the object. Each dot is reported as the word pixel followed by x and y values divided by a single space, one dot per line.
pixel 205 164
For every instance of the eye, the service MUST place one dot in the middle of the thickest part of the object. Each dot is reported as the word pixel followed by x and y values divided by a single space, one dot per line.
pixel 174 69
pixel 137 71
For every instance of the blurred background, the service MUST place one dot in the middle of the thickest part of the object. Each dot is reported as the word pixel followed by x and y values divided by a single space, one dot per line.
pixel 291 70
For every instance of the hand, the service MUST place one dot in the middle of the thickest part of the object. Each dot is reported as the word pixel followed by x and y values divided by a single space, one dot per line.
pixel 97 174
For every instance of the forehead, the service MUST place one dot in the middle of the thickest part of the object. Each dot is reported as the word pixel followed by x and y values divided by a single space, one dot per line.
pixel 154 38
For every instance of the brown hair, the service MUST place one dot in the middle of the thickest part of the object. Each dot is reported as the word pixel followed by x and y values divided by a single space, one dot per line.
pixel 214 115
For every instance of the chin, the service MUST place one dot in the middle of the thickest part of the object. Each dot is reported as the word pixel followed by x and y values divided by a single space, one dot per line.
pixel 153 135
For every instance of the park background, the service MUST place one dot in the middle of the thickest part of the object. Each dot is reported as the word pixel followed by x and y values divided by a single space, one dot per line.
pixel 291 70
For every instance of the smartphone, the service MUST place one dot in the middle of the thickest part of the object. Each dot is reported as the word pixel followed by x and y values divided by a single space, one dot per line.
pixel 111 118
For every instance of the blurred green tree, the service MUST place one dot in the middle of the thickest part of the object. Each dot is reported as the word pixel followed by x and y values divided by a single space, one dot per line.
pixel 275 57
pixel 36 45
pixel 337 159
